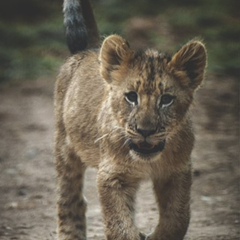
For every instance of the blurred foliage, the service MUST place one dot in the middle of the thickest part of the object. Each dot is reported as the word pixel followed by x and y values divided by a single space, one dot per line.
pixel 32 39
pixel 217 22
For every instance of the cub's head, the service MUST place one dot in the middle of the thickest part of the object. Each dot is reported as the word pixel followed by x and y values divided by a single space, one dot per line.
pixel 150 92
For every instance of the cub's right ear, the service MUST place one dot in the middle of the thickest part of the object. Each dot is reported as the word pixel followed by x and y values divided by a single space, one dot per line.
pixel 189 64
pixel 114 52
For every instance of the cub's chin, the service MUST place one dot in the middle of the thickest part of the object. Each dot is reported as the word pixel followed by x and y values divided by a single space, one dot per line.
pixel 145 150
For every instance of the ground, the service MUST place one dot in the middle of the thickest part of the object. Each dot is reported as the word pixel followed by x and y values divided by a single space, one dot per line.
pixel 27 171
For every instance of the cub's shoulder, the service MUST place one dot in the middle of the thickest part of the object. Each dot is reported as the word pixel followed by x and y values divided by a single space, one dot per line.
pixel 80 65
pixel 81 59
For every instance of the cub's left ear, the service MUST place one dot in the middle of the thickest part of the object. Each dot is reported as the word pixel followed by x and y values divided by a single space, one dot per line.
pixel 189 64
pixel 115 51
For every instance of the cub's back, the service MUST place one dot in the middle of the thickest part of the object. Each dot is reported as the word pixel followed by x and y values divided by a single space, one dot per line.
pixel 78 96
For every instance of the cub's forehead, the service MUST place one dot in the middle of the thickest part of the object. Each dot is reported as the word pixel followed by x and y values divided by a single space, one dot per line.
pixel 150 72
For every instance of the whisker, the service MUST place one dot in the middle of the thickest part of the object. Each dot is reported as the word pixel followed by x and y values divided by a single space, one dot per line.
pixel 121 138
pixel 112 132
pixel 125 143
pixel 100 138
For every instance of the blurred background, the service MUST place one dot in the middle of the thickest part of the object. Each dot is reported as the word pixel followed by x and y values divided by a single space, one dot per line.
pixel 32 42
pixel 33 47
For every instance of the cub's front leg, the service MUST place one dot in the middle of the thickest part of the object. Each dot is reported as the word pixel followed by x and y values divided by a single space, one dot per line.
pixel 173 196
pixel 117 197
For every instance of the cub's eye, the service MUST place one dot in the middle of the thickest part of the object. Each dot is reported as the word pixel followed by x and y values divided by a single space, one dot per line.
pixel 166 100
pixel 132 97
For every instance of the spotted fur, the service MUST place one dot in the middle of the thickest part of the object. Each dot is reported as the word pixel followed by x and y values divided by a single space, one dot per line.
pixel 126 113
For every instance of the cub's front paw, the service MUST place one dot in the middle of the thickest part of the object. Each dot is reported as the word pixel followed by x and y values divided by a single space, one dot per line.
pixel 152 236
pixel 142 236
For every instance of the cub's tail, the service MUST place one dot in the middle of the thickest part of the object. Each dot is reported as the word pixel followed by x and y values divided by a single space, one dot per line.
pixel 81 27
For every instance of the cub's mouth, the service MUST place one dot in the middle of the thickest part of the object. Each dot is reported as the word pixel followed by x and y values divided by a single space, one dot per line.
pixel 146 149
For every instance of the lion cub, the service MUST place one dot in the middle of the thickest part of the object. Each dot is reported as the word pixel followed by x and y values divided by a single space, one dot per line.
pixel 124 112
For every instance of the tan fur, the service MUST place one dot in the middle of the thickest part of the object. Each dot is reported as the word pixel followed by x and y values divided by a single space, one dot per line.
pixel 94 123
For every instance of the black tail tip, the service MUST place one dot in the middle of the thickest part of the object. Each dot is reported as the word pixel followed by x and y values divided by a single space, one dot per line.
pixel 77 39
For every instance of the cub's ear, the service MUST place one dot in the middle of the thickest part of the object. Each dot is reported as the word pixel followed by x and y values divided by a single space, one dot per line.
pixel 115 51
pixel 189 63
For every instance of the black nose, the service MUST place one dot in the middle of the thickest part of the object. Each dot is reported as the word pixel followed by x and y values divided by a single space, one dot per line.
pixel 145 133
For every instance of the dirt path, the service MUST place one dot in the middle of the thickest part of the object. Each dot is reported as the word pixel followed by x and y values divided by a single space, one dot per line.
pixel 27 175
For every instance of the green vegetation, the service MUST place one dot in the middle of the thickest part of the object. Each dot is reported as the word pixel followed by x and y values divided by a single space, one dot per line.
pixel 32 41
pixel 27 52
pixel 217 22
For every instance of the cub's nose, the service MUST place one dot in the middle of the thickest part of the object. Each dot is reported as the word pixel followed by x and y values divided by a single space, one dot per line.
pixel 146 132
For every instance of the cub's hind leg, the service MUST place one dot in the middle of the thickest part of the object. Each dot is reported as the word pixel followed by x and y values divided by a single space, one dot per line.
pixel 71 203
